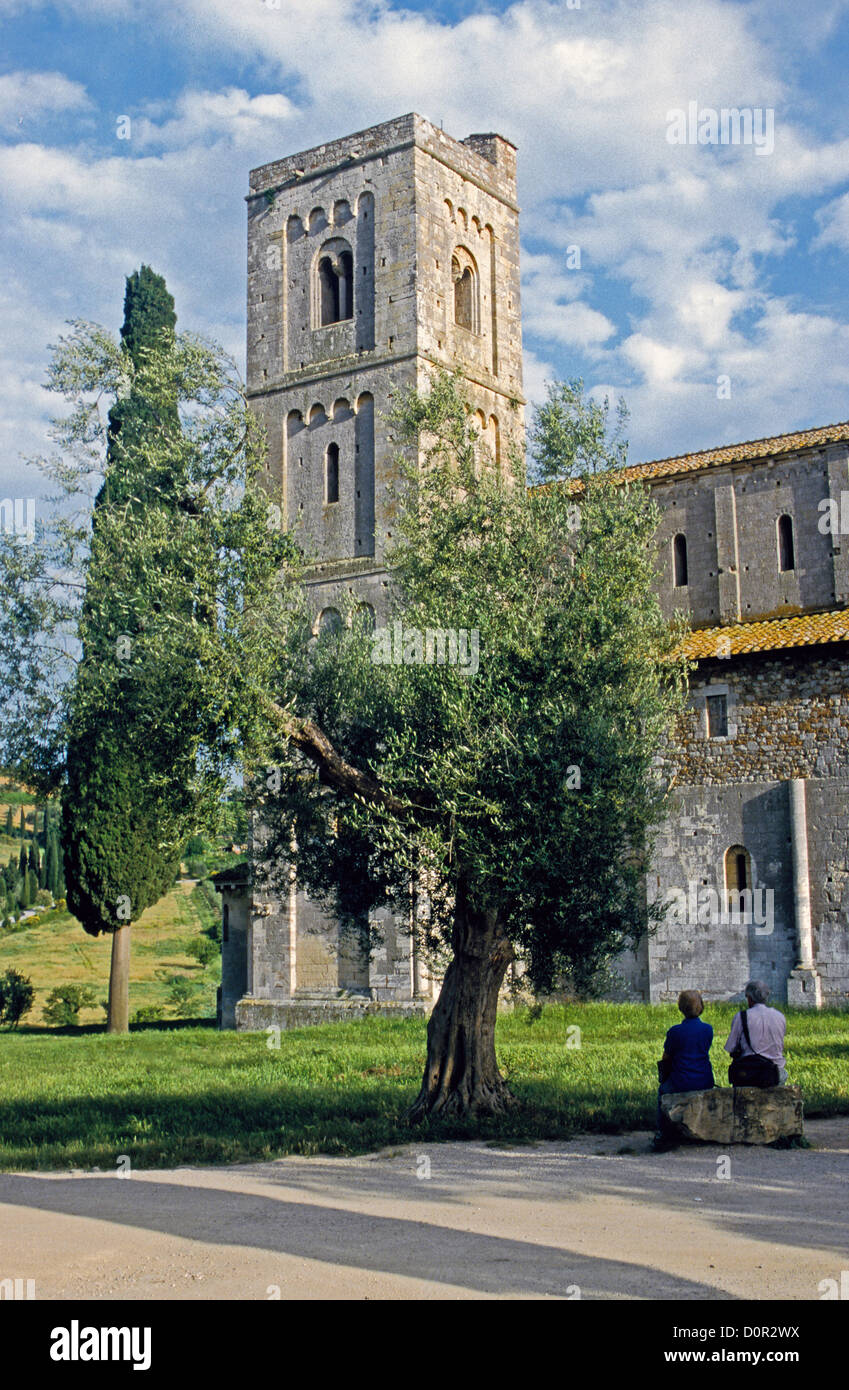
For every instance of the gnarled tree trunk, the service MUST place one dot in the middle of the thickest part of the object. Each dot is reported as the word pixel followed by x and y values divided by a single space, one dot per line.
pixel 119 982
pixel 461 1074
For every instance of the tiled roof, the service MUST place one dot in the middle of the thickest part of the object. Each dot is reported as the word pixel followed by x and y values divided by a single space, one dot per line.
pixel 805 630
pixel 734 453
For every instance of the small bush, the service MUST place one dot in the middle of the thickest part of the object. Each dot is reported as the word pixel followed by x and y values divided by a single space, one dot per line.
pixel 148 1013
pixel 196 868
pixel 182 992
pixel 62 1009
pixel 16 996
pixel 203 949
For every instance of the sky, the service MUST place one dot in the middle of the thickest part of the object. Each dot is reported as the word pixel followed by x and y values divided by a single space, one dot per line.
pixel 709 284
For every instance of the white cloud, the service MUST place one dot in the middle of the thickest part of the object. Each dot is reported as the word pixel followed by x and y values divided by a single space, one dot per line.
pixel 26 97
pixel 680 233
pixel 833 221
pixel 201 116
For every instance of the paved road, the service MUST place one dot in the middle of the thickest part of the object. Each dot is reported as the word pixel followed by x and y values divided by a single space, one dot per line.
pixel 445 1221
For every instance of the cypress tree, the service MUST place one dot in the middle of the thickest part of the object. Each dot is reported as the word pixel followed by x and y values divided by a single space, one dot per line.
pixel 51 863
pixel 9 823
pixel 34 858
pixel 112 823
pixel 22 827
pixel 23 862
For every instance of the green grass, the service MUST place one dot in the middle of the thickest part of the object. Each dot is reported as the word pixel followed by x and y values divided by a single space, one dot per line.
pixel 165 1097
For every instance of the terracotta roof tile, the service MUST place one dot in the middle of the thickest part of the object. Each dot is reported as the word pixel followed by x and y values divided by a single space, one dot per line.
pixel 773 634
pixel 733 453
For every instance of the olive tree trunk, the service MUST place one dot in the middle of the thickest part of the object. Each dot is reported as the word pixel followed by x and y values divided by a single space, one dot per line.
pixel 461 1075
pixel 119 982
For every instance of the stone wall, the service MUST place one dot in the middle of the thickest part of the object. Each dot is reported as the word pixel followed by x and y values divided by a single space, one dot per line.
pixel 788 718
pixel 729 516
pixel 788 715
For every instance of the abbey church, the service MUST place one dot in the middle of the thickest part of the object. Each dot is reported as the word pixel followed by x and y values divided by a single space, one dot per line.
pixel 375 258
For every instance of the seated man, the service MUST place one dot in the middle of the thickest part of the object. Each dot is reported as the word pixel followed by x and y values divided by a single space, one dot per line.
pixel 685 1064
pixel 766 1028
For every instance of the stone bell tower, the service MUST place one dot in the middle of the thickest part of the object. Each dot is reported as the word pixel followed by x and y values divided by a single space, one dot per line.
pixel 371 260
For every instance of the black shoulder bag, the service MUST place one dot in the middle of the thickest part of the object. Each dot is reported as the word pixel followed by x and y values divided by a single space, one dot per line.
pixel 752 1070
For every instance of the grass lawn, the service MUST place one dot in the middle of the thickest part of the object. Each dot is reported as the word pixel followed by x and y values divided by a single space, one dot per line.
pixel 58 952
pixel 194 1095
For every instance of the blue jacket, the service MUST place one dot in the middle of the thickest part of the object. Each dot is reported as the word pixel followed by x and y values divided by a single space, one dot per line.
pixel 688 1044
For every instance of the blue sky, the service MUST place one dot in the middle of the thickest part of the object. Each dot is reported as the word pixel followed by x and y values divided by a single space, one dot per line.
pixel 696 261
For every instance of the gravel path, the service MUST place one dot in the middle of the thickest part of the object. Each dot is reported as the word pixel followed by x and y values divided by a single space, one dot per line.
pixel 599 1217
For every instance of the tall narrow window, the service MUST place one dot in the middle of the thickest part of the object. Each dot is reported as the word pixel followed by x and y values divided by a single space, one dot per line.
pixel 786 549
pixel 464 277
pixel 335 284
pixel 717 716
pixel 331 474
pixel 738 878
pixel 679 561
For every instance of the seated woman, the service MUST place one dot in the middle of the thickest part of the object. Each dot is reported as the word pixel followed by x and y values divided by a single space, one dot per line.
pixel 685 1064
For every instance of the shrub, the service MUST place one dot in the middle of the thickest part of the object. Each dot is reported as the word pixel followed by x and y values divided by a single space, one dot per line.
pixel 182 992
pixel 196 868
pixel 148 1013
pixel 63 1005
pixel 196 846
pixel 16 996
pixel 203 949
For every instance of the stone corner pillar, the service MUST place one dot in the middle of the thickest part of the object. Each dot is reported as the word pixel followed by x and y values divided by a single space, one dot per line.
pixel 804 985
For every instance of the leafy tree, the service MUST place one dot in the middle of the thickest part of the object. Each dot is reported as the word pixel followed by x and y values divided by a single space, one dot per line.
pixel 183 993
pixel 514 808
pixel 118 683
pixel 62 1008
pixel 16 996
pixel 113 808
pixel 204 950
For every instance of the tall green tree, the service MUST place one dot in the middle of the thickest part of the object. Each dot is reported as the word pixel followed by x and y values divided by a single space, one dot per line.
pixel 51 861
pixel 512 804
pixel 9 824
pixel 122 683
pixel 121 792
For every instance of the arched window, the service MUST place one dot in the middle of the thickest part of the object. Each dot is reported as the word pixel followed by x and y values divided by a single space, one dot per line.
pixel 679 561
pixel 738 878
pixel 329 620
pixel 786 549
pixel 364 617
pixel 331 474
pixel 335 287
pixel 464 276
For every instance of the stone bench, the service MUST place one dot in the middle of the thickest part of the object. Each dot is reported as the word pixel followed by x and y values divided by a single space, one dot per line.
pixel 735 1115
